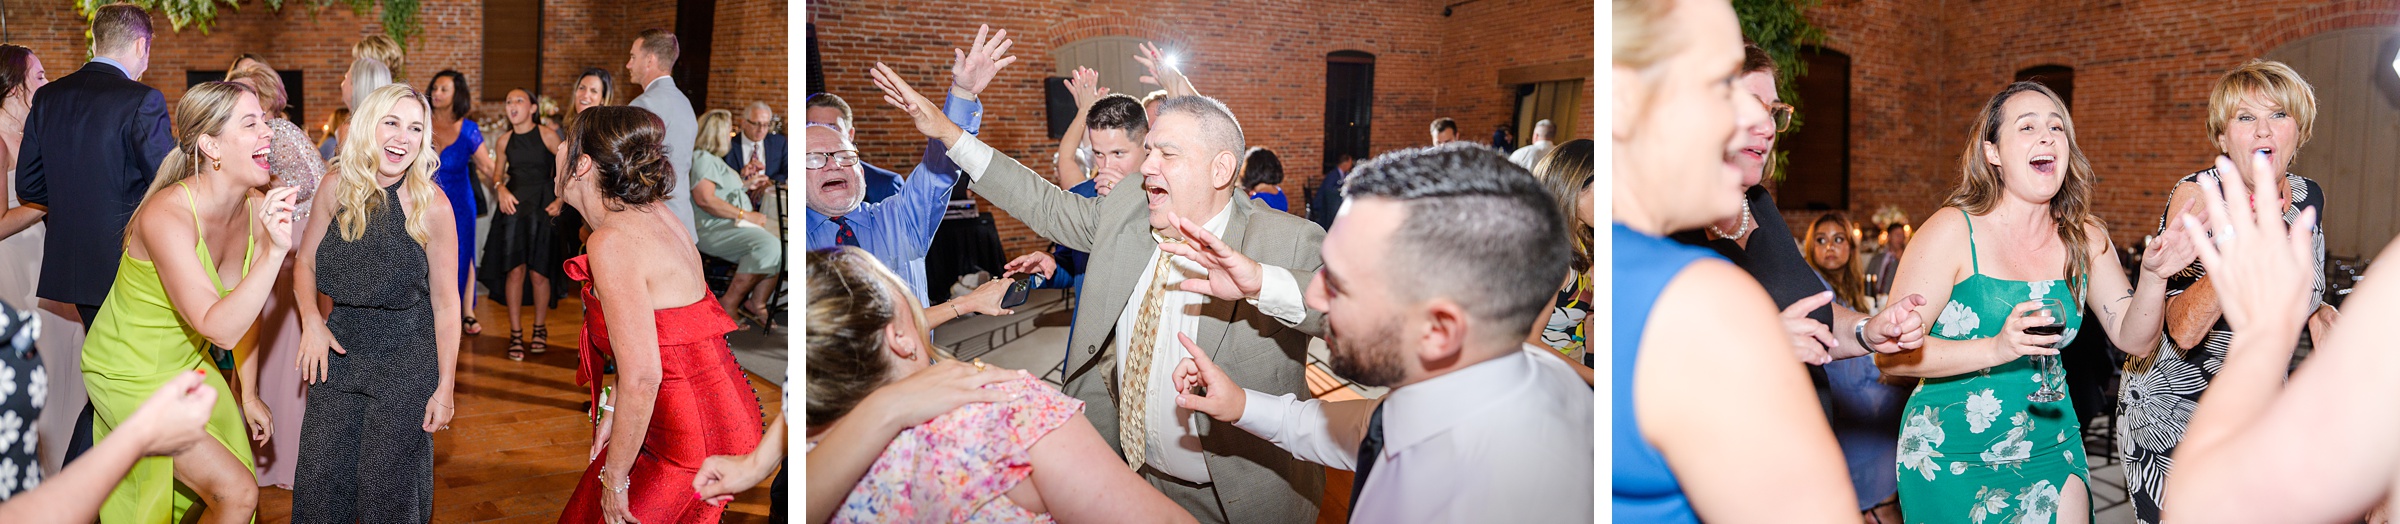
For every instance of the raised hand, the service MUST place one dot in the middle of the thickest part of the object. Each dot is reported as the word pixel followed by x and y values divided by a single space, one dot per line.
pixel 974 68
pixel 1223 399
pixel 1231 275
pixel 928 117
pixel 2262 269
pixel 276 217
pixel 2171 251
pixel 1899 327
pixel 1810 338
pixel 1085 85
pixel 1162 74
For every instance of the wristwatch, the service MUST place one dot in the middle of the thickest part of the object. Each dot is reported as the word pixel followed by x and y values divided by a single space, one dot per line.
pixel 1860 330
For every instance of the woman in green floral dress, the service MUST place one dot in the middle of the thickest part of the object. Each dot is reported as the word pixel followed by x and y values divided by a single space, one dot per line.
pixel 2018 229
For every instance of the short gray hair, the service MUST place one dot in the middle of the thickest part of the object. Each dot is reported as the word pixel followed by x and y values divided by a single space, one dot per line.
pixel 1480 231
pixel 1218 128
pixel 756 106
pixel 367 75
pixel 1542 128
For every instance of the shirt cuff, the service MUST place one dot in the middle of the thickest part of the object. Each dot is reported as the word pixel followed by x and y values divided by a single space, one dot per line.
pixel 1279 295
pixel 972 156
pixel 1263 414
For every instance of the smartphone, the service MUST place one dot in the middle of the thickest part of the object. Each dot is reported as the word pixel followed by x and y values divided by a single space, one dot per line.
pixel 1020 290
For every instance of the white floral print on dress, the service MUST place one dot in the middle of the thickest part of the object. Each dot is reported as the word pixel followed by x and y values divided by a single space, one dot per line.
pixel 1988 502
pixel 1917 442
pixel 1982 409
pixel 1958 320
pixel 2039 502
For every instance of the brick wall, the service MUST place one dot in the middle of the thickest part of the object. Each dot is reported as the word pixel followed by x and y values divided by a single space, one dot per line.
pixel 2142 75
pixel 752 60
pixel 1265 60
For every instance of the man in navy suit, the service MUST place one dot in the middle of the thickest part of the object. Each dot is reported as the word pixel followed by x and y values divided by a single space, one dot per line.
pixel 831 110
pixel 93 141
pixel 759 150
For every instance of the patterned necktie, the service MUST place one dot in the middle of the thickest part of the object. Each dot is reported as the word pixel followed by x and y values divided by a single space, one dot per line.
pixel 1134 386
pixel 842 234
pixel 1367 450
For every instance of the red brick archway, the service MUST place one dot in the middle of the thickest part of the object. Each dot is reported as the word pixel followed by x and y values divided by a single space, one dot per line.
pixel 2318 20
pixel 1075 30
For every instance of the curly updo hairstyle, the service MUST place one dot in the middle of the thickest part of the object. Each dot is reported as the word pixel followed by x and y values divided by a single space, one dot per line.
pixel 628 149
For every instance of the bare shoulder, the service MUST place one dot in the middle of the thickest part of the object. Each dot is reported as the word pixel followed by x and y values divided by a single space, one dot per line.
pixel 2095 238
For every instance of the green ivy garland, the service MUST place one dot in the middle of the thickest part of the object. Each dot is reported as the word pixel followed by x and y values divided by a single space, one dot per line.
pixel 399 16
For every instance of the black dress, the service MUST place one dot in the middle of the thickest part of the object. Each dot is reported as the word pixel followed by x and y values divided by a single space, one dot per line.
pixel 524 238
pixel 21 392
pixel 364 453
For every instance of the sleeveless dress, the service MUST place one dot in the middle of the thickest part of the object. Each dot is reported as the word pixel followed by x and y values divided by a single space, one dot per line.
pixel 455 174
pixel 1642 488
pixel 959 467
pixel 2159 393
pixel 1973 448
pixel 137 344
pixel 364 452
pixel 523 238
pixel 704 407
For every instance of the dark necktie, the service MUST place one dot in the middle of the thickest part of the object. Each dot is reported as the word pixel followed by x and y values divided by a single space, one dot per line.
pixel 1367 450
pixel 842 234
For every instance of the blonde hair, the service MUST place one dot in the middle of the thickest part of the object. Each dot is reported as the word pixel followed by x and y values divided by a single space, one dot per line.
pixel 716 132
pixel 1849 282
pixel 1980 184
pixel 359 196
pixel 366 75
pixel 271 96
pixel 2269 78
pixel 383 49
pixel 1642 38
pixel 204 109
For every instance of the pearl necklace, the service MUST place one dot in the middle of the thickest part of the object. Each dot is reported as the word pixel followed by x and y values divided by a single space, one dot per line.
pixel 1743 229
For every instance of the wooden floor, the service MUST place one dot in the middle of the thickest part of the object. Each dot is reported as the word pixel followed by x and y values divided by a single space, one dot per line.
pixel 520 441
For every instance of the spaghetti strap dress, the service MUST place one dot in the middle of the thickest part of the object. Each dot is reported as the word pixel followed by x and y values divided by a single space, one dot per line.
pixel 1973 449
pixel 137 344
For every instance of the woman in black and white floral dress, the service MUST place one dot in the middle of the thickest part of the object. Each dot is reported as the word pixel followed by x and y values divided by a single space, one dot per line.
pixel 2260 108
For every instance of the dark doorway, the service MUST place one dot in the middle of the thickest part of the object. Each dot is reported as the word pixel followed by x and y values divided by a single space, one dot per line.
pixel 695 22
pixel 1816 169
pixel 2060 79
pixel 1349 105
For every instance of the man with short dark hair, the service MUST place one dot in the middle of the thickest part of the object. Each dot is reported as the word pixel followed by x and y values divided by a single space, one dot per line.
pixel 1446 258
pixel 92 144
pixel 652 59
pixel 1142 294
pixel 1445 130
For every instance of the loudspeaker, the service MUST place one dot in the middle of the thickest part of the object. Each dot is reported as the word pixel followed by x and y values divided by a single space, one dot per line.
pixel 1061 105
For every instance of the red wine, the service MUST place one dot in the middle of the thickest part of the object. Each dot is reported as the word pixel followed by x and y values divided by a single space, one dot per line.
pixel 2052 329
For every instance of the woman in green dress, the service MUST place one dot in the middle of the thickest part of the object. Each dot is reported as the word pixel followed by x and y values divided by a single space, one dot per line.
pixel 2019 228
pixel 204 218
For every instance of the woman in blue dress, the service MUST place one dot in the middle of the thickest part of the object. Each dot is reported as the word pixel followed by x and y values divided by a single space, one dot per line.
pixel 1712 418
pixel 1262 176
pixel 457 137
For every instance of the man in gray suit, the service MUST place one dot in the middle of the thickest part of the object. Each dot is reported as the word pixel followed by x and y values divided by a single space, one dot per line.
pixel 654 54
pixel 1139 300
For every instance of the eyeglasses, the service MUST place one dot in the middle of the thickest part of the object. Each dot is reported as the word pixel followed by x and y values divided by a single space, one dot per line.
pixel 1830 240
pixel 845 158
pixel 1781 112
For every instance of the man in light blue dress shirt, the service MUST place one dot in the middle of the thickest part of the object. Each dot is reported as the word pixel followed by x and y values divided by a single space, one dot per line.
pixel 899 230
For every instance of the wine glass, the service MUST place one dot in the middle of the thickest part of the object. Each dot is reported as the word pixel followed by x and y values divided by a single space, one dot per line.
pixel 2052 373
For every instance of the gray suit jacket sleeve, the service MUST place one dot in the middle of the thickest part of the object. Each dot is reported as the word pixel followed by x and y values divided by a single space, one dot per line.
pixel 1053 213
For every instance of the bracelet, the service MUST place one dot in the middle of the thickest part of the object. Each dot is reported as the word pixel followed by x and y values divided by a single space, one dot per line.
pixel 955 313
pixel 1860 330
pixel 620 490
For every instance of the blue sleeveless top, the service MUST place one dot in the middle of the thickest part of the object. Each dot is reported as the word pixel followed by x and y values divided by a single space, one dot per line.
pixel 1642 488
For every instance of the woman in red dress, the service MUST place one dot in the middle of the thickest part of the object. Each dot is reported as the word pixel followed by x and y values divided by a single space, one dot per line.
pixel 679 396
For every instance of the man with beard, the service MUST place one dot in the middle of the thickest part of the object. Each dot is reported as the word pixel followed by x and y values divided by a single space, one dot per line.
pixel 1433 275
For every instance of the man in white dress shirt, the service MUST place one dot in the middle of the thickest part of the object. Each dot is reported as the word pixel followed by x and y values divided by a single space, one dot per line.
pixel 1526 156
pixel 1441 263
pixel 654 54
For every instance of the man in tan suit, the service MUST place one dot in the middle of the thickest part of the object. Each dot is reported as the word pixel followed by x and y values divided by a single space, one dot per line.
pixel 1138 299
